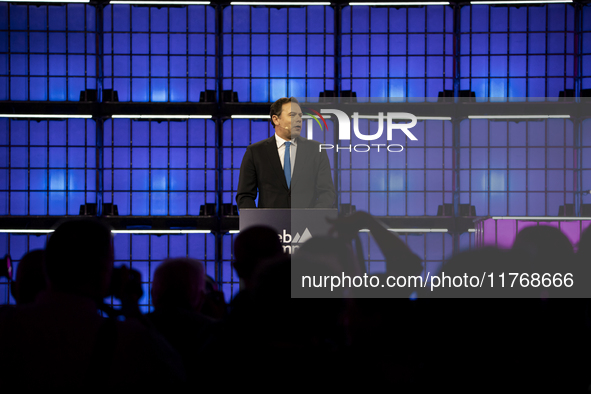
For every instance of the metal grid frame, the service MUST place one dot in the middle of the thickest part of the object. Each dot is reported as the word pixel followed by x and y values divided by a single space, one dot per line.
pixel 234 36
pixel 526 146
pixel 155 73
pixel 62 146
pixel 200 150
pixel 469 32
pixel 39 41
pixel 351 31
pixel 353 171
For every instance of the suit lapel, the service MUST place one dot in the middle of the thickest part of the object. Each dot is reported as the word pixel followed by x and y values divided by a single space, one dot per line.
pixel 273 158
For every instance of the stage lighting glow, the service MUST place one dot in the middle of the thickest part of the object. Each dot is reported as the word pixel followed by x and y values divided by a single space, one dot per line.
pixel 27 231
pixel 267 117
pixel 521 2
pixel 518 116
pixel 553 218
pixel 412 230
pixel 45 1
pixel 161 116
pixel 160 231
pixel 160 2
pixel 285 4
pixel 418 117
pixel 28 116
pixel 397 3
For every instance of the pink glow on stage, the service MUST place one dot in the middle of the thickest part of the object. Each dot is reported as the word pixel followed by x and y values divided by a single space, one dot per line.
pixel 501 232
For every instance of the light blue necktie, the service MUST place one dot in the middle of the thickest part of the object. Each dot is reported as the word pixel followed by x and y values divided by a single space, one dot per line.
pixel 287 164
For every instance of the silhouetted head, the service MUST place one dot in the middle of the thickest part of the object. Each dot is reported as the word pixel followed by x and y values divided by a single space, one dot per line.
pixel 251 247
pixel 179 283
pixel 30 279
pixel 543 244
pixel 79 258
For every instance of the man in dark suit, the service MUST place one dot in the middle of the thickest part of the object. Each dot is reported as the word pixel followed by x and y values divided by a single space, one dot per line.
pixel 286 170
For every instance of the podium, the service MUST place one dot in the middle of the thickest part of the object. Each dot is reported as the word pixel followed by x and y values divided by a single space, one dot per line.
pixel 293 226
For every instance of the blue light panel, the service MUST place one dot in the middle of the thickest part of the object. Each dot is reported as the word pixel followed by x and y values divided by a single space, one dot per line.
pixel 516 168
pixel 269 53
pixel 47 52
pixel 47 167
pixel 397 52
pixel 525 51
pixel 163 54
pixel 160 168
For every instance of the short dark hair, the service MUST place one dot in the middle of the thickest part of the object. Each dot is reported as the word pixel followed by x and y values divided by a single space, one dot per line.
pixel 277 106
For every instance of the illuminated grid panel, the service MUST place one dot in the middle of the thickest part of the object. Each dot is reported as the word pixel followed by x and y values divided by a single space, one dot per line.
pixel 47 167
pixel 413 182
pixel 516 168
pixel 47 52
pixel 397 52
pixel 16 245
pixel 165 54
pixel 585 153
pixel 269 53
pixel 525 51
pixel 145 253
pixel 586 47
pixel 160 168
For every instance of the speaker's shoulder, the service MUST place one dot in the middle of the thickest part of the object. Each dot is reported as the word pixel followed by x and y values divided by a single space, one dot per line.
pixel 263 143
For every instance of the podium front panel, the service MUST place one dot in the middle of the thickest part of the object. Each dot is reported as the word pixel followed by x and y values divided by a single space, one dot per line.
pixel 293 226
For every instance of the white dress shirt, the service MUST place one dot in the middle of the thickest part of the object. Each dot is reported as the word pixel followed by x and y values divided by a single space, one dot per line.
pixel 292 151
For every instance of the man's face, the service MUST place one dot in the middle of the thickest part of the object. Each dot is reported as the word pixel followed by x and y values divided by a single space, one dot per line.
pixel 289 124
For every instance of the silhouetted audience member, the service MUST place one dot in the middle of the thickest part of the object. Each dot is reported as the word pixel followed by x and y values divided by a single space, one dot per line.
pixel 544 245
pixel 384 320
pixel 214 303
pixel 177 295
pixel 30 280
pixel 252 247
pixel 61 342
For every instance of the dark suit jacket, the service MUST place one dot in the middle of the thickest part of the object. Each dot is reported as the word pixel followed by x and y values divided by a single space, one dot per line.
pixel 311 182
